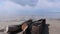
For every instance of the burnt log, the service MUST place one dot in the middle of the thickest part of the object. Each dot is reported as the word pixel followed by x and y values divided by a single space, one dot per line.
pixel 43 21
pixel 28 30
pixel 36 28
pixel 14 29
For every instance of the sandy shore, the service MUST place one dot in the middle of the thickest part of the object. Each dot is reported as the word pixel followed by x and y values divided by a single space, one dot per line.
pixel 54 25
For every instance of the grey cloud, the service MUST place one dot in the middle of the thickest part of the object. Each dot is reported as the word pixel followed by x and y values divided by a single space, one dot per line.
pixel 26 2
pixel 53 0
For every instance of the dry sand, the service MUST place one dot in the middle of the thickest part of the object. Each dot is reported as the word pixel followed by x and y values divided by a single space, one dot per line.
pixel 54 25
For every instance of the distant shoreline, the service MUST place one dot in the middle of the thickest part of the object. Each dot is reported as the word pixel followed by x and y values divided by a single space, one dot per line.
pixel 23 18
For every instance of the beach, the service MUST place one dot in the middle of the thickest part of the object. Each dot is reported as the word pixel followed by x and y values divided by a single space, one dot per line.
pixel 54 25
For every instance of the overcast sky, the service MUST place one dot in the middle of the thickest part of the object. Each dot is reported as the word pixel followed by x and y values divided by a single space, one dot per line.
pixel 40 3
pixel 32 7
pixel 25 4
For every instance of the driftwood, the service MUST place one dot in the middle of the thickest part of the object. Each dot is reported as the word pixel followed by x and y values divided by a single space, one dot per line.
pixel 36 27
pixel 27 27
pixel 27 31
pixel 13 29
pixel 22 27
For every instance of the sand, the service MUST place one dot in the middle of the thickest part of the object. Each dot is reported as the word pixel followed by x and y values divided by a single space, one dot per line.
pixel 54 25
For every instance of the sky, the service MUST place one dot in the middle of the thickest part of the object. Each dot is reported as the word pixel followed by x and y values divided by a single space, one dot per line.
pixel 40 3
pixel 47 8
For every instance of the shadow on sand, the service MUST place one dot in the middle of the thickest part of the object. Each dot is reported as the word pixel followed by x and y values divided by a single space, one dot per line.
pixel 46 29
